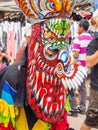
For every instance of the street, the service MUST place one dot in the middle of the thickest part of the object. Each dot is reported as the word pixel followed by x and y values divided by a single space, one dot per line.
pixel 75 122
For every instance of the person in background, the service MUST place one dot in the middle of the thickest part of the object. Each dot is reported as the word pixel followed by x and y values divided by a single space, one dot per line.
pixel 5 60
pixel 2 65
pixel 79 52
pixel 94 23
pixel 27 34
pixel 91 120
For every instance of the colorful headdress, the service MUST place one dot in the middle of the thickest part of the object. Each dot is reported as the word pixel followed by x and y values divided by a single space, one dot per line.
pixel 44 9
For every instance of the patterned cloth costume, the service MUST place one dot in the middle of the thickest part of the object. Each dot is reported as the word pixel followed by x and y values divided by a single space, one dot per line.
pixel 33 91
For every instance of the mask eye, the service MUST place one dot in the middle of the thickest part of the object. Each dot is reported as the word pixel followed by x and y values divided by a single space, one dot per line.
pixel 51 40
pixel 50 53
pixel 51 5
pixel 64 57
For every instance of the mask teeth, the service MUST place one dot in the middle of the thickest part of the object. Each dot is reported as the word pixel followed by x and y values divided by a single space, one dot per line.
pixel 42 99
pixel 45 66
pixel 46 108
pixel 77 81
pixel 47 78
pixel 37 94
pixel 81 69
pixel 64 83
pixel 32 81
pixel 79 77
pixel 51 70
pixel 42 64
pixel 43 77
pixel 57 109
pixel 50 110
pixel 30 67
pixel 33 70
pixel 33 62
pixel 71 83
pixel 36 47
pixel 68 84
pixel 61 106
pixel 41 102
pixel 35 87
pixel 48 68
pixel 51 78
pixel 55 80
pixel 30 77
pixel 39 58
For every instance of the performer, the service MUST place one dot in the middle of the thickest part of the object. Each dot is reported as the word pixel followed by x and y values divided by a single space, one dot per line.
pixel 33 91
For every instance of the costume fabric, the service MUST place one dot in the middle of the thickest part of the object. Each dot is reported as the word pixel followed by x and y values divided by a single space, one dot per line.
pixel 40 81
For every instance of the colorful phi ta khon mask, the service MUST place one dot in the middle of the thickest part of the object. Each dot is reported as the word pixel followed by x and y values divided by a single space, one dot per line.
pixel 50 68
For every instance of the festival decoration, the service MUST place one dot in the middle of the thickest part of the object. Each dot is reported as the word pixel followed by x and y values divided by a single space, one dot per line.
pixel 51 70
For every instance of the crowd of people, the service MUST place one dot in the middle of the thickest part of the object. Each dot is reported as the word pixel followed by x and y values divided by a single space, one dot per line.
pixel 85 50
pixel 80 44
pixel 6 59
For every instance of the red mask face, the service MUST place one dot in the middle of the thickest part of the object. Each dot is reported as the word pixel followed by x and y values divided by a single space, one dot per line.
pixel 45 90
pixel 50 70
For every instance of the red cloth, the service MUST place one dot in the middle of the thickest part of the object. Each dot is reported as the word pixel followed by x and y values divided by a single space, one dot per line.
pixel 61 124
pixel 10 126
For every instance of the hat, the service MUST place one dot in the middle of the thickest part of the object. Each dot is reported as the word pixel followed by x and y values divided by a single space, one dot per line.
pixel 27 30
pixel 94 21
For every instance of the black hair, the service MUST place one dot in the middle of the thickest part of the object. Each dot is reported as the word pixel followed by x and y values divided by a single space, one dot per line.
pixel 84 23
pixel 75 16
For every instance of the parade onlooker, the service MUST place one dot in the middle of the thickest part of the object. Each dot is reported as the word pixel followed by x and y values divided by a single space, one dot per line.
pixel 79 52
pixel 94 23
pixel 2 65
pixel 5 60
pixel 91 120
